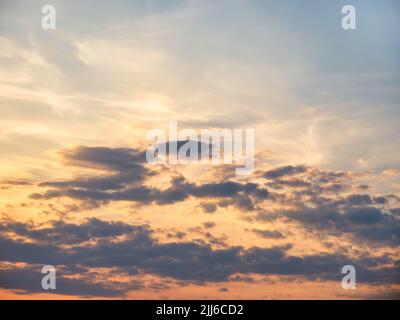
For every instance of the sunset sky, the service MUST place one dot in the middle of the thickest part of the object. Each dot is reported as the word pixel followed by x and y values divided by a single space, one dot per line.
pixel 77 193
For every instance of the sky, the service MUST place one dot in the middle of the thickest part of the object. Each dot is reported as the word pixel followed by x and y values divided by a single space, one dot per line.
pixel 77 193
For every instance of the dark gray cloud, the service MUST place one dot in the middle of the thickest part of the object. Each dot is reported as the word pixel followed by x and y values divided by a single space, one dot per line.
pixel 380 200
pixel 365 223
pixel 366 215
pixel 126 183
pixel 112 182
pixel 243 195
pixel 359 199
pixel 267 234
pixel 31 253
pixel 116 159
pixel 323 177
pixel 209 224
pixel 285 171
pixel 16 182
pixel 197 146
pixel 27 280
pixel 293 183
pixel 60 232
pixel 119 169
pixel 140 253
pixel 208 207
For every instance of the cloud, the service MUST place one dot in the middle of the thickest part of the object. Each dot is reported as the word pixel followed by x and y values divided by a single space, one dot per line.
pixel 126 165
pixel 284 171
pixel 359 199
pixel 118 159
pixel 365 215
pixel 365 223
pixel 313 199
pixel 202 149
pixel 127 183
pixel 60 232
pixel 208 207
pixel 209 224
pixel 27 280
pixel 293 183
pixel 138 252
pixel 318 203
pixel 16 182
pixel 268 234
